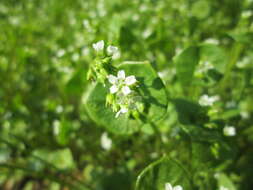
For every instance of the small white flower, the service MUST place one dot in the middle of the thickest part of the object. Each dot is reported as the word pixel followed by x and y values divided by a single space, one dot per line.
pixel 61 53
pixel 111 50
pixel 206 100
pixel 59 109
pixel 75 57
pixel 121 86
pixel 106 142
pixel 126 90
pixel 121 82
pixel 130 80
pixel 204 67
pixel 99 46
pixel 56 127
pixel 113 89
pixel 229 131
pixel 223 188
pixel 122 110
pixel 86 23
pixel 168 186
pixel 212 41
pixel 244 114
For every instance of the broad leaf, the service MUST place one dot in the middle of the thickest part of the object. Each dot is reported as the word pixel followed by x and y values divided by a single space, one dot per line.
pixel 215 55
pixel 153 95
pixel 157 174
pixel 186 62
pixel 225 181
pixel 61 159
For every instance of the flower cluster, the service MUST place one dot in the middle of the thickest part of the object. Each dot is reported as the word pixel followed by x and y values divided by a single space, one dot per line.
pixel 122 96
pixel 121 92
pixel 206 100
pixel 100 69
pixel 106 142
pixel 229 131
pixel 112 51
pixel 168 186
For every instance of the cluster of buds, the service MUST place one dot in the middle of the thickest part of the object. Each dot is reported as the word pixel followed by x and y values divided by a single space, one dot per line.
pixel 123 96
pixel 100 69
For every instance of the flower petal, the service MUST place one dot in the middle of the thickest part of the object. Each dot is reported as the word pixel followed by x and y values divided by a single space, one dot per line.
pixel 126 90
pixel 229 131
pixel 124 110
pixel 117 114
pixel 113 89
pixel 121 74
pixel 112 79
pixel 130 80
pixel 178 187
pixel 168 186
pixel 106 142
pixel 111 50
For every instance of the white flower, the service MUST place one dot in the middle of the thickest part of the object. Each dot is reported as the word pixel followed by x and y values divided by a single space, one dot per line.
pixel 205 66
pixel 244 114
pixel 168 186
pixel 106 142
pixel 75 57
pixel 122 110
pixel 59 109
pixel 99 46
pixel 206 100
pixel 223 188
pixel 61 53
pixel 56 127
pixel 212 41
pixel 121 82
pixel 121 87
pixel 111 50
pixel 229 131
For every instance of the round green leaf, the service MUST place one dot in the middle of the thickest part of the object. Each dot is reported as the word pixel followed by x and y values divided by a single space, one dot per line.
pixel 186 62
pixel 165 170
pixel 153 95
pixel 215 55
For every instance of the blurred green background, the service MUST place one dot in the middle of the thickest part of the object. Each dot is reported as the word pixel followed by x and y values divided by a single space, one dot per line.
pixel 47 139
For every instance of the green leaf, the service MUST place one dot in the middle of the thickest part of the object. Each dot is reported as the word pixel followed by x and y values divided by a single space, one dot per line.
pixel 215 55
pixel 152 92
pixel 63 132
pixel 163 171
pixel 186 62
pixel 77 83
pixel 61 159
pixel 200 9
pixel 242 37
pixel 189 112
pixel 225 181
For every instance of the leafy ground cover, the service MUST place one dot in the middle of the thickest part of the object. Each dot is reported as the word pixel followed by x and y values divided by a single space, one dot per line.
pixel 182 121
